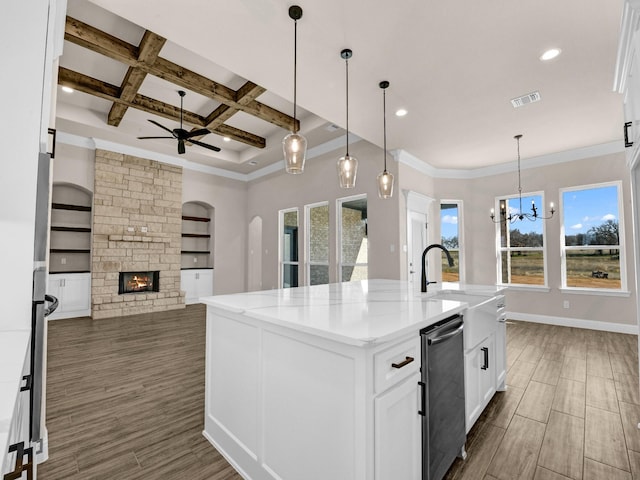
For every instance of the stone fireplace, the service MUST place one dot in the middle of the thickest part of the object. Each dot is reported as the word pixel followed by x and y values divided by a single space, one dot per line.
pixel 136 229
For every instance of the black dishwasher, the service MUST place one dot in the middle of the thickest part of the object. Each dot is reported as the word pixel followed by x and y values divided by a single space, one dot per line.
pixel 442 409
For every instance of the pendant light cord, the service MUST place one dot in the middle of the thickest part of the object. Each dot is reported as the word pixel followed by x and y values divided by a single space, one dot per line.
pixel 181 109
pixel 346 62
pixel 295 69
pixel 384 126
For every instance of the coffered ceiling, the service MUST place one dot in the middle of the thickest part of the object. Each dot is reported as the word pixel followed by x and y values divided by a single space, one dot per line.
pixel 454 66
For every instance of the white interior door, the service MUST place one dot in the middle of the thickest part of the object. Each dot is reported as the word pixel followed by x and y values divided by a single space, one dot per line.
pixel 417 235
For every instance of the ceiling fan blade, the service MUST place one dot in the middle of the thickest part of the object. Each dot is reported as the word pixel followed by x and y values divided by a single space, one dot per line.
pixel 197 133
pixel 205 145
pixel 181 148
pixel 161 126
pixel 147 138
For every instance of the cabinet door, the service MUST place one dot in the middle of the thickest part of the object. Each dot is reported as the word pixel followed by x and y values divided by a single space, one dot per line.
pixel 188 284
pixel 204 283
pixel 501 354
pixel 76 293
pixel 54 286
pixel 473 360
pixel 479 378
pixel 488 369
pixel 397 432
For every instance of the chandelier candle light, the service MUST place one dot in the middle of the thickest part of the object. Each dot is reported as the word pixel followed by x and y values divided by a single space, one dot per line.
pixel 385 179
pixel 347 165
pixel 294 145
pixel 513 217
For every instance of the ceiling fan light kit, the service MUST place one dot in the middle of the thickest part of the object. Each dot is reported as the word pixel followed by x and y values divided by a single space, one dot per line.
pixel 294 145
pixel 385 179
pixel 181 134
pixel 347 164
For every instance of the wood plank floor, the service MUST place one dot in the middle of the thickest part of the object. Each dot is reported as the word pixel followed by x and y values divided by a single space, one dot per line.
pixel 570 411
pixel 125 400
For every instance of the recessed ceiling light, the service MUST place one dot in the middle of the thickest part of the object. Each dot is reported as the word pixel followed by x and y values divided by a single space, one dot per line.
pixel 401 112
pixel 550 54
pixel 67 89
pixel 226 139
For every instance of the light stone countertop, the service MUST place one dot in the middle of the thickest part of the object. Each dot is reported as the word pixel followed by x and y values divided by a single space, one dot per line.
pixel 358 313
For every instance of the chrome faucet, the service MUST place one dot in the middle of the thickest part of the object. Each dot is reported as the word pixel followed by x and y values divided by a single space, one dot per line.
pixel 423 286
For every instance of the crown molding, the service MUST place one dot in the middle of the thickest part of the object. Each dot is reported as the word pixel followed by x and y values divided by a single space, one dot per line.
pixel 533 162
pixel 400 156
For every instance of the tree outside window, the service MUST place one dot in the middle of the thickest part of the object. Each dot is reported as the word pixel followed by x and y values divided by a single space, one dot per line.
pixel 591 250
pixel 450 239
pixel 521 258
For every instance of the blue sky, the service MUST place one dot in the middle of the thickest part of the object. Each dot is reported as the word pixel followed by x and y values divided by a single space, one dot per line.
pixel 584 209
pixel 449 222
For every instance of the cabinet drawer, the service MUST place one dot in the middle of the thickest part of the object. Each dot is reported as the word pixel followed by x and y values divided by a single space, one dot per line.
pixel 406 358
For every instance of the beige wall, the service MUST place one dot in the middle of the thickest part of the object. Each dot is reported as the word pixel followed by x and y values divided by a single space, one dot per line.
pixel 236 203
pixel 479 195
pixel 318 183
pixel 229 199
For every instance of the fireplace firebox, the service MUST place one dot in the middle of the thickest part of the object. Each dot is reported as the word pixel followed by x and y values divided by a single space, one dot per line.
pixel 137 282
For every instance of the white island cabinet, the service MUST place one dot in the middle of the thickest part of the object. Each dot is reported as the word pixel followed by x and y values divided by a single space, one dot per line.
pixel 319 382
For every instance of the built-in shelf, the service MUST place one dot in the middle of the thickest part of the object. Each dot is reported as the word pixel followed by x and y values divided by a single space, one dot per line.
pixel 69 271
pixel 68 206
pixel 197 236
pixel 70 241
pixel 195 219
pixel 70 229
pixel 69 250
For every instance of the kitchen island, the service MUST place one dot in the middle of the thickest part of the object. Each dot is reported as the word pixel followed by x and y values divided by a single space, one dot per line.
pixel 320 382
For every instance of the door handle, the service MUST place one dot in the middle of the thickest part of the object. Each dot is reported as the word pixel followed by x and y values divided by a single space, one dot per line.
pixel 627 143
pixel 422 410
pixel 485 351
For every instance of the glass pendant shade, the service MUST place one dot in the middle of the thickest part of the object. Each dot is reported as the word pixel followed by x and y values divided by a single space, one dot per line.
pixel 347 170
pixel 294 146
pixel 385 185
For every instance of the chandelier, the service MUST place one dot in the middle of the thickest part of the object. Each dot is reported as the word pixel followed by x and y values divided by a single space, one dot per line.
pixel 520 215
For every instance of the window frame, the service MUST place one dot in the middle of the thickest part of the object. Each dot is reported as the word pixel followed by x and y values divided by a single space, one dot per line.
pixel 307 258
pixel 460 249
pixel 281 243
pixel 500 249
pixel 621 243
pixel 340 263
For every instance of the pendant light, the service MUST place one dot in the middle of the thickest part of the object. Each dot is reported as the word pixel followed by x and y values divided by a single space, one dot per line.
pixel 512 217
pixel 385 179
pixel 347 165
pixel 294 145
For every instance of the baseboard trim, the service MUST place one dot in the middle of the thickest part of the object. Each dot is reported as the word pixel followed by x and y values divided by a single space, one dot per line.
pixel 222 452
pixel 43 456
pixel 575 322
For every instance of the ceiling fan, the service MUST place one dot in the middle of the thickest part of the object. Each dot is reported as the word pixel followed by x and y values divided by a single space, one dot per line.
pixel 183 135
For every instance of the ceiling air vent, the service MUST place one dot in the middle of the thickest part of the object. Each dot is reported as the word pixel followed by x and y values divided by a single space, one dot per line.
pixel 526 99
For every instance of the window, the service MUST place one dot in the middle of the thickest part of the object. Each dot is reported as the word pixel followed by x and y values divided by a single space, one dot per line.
pixel 521 259
pixel 289 247
pixel 353 247
pixel 592 253
pixel 450 230
pixel 317 217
